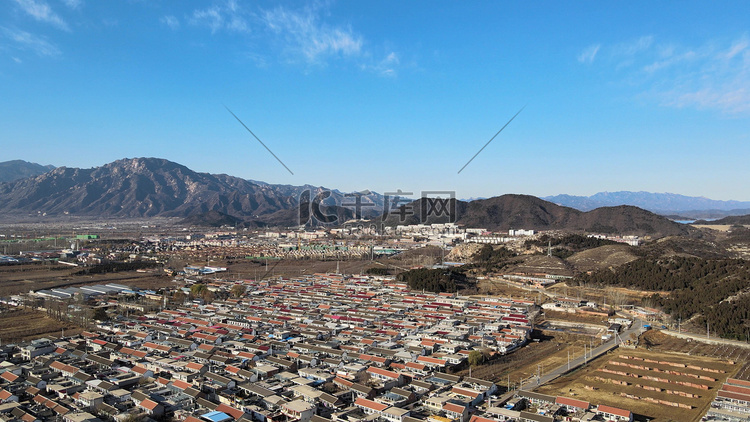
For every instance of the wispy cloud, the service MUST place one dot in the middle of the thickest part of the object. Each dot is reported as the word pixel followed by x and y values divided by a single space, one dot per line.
pixel 73 4
pixel 42 12
pixel 738 47
pixel 294 35
pixel 633 47
pixel 714 75
pixel 589 54
pixel 221 16
pixel 171 22
pixel 25 41
pixel 388 66
pixel 304 36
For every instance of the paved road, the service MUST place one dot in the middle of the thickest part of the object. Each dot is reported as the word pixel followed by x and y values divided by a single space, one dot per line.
pixel 532 383
pixel 703 339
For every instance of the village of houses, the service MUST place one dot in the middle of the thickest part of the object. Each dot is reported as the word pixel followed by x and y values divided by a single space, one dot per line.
pixel 321 348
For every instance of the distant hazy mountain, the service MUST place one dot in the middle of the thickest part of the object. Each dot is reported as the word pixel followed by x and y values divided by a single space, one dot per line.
pixel 529 212
pixel 19 169
pixel 662 203
pixel 732 220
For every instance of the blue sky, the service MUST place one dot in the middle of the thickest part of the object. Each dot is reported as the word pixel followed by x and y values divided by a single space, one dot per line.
pixel 383 95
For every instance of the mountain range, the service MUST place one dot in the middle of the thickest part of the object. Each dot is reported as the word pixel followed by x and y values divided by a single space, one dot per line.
pixel 147 187
pixel 660 203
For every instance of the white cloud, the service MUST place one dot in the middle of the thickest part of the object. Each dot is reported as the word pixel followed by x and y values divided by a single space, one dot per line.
pixel 17 60
pixel 42 12
pixel 22 40
pixel 171 22
pixel 227 15
pixel 588 55
pixel 303 36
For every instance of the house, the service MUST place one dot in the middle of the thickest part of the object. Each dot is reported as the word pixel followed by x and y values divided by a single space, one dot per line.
pixel 236 414
pixel 500 414
pixel 435 403
pixel 395 414
pixel 431 362
pixel 89 399
pixel 456 411
pixel 6 396
pixel 36 348
pixel 572 405
pixel 534 417
pixel 80 417
pixel 610 413
pixel 152 408
pixel 467 395
pixel 537 398
pixel 488 387
pixel 370 407
pixel 298 410
pixel 329 401
pixel 386 379
pixel 213 416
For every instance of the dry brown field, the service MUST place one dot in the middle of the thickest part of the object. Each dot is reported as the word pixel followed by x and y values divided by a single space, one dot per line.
pixel 654 385
pixel 16 279
pixel 20 325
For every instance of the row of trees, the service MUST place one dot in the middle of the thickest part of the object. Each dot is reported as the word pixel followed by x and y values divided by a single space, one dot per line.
pixel 111 267
pixel 201 291
pixel 570 242
pixel 377 271
pixel 433 280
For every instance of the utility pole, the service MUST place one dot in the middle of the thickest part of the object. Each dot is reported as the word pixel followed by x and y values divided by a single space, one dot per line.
pixel 538 374
pixel 584 353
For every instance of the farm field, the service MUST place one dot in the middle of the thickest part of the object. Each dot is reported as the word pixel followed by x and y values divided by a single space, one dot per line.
pixel 16 279
pixel 20 325
pixel 655 386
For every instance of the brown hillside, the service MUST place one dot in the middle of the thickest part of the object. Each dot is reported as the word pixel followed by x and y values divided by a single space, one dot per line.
pixel 608 256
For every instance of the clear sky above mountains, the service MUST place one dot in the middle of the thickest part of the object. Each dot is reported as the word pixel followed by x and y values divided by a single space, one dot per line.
pixel 389 95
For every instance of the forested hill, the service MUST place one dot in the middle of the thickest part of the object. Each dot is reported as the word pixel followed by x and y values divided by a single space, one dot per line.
pixel 716 291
